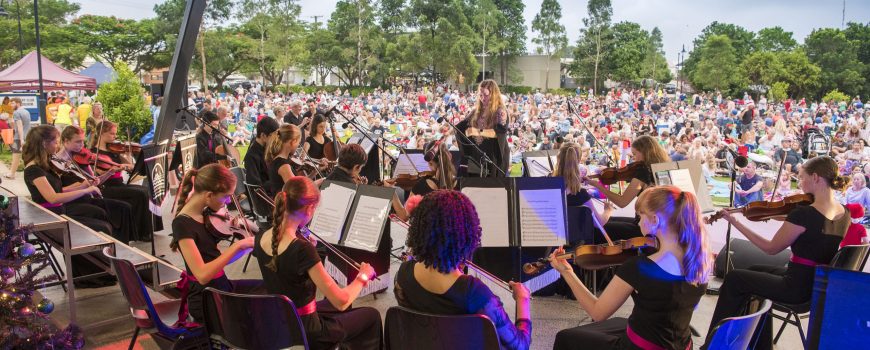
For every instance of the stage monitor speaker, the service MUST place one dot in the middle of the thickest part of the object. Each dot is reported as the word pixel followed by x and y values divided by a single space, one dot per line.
pixel 745 254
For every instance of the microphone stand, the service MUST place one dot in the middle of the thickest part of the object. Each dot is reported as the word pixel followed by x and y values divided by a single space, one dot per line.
pixel 484 157
pixel 365 133
pixel 601 147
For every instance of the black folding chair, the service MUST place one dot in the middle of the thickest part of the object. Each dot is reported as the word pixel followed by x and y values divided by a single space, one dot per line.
pixel 409 329
pixel 242 321
pixel 736 332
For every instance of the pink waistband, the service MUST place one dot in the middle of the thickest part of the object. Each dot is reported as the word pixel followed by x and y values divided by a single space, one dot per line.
pixel 803 261
pixel 50 205
pixel 644 344
pixel 308 309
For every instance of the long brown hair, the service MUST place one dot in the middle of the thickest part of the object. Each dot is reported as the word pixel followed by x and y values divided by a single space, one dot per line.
pixel 679 210
pixel 34 149
pixel 102 127
pixel 568 167
pixel 651 150
pixel 285 133
pixel 495 103
pixel 298 193
pixel 441 152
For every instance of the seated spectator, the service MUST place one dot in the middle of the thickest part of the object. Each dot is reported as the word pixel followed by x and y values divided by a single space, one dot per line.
pixel 748 186
pixel 858 193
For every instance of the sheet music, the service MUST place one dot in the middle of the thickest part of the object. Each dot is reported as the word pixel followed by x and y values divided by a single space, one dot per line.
pixel 407 162
pixel 367 223
pixel 542 218
pixel 492 210
pixel 331 212
pixel 538 166
pixel 682 178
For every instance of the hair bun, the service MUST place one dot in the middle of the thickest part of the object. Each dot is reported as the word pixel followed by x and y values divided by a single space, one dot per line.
pixel 840 182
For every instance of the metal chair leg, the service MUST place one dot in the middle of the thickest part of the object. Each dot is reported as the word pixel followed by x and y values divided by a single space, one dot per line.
pixel 800 330
pixel 133 341
pixel 245 268
pixel 785 322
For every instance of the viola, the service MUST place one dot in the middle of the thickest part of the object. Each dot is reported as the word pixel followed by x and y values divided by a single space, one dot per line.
pixel 119 147
pixel 226 227
pixel 763 211
pixel 612 175
pixel 591 256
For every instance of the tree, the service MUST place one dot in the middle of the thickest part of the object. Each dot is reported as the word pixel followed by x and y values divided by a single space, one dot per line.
pixel 485 21
pixel 859 33
pixel 447 39
pixel 717 65
pixel 801 75
pixel 778 91
pixel 111 39
pixel 353 25
pixel 654 50
pixel 551 37
pixel 24 322
pixel 320 44
pixel 228 51
pixel 279 36
pixel 594 43
pixel 629 52
pixel 741 41
pixel 774 39
pixel 124 102
pixel 762 68
pixel 60 42
pixel 837 56
pixel 512 35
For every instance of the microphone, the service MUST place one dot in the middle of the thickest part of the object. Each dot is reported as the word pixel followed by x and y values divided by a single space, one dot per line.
pixel 739 161
pixel 183 108
pixel 440 119
pixel 570 106
pixel 345 125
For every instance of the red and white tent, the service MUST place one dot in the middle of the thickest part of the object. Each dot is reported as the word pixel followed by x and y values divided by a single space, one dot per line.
pixel 23 75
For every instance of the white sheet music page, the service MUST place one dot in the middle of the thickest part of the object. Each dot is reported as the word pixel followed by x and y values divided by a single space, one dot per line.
pixel 538 166
pixel 492 210
pixel 367 223
pixel 407 162
pixel 682 178
pixel 542 218
pixel 331 212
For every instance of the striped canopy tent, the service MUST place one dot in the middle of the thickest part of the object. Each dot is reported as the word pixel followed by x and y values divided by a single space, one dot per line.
pixel 23 75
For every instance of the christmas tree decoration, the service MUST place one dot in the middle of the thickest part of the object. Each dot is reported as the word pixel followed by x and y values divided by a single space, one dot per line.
pixel 26 250
pixel 45 306
pixel 21 326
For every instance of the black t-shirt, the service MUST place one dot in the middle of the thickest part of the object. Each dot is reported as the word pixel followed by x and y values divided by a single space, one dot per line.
pixel 645 175
pixel 276 182
pixel 748 115
pixel 184 226
pixel 256 170
pixel 116 179
pixel 822 237
pixel 339 174
pixel 291 118
pixel 577 199
pixel 34 172
pixel 292 278
pixel 205 149
pixel 663 303
pixel 315 150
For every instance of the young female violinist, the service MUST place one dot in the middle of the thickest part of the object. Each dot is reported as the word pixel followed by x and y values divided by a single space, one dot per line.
pixel 43 180
pixel 317 139
pixel 280 146
pixel 813 232
pixel 193 235
pixel 644 149
pixel 568 167
pixel 138 196
pixel 435 152
pixel 120 213
pixel 444 232
pixel 665 286
pixel 291 266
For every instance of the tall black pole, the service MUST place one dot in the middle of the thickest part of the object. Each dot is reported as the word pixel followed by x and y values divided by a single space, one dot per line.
pixel 41 98
pixel 20 36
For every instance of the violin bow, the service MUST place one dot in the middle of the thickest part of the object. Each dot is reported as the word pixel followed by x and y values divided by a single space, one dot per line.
pixel 600 227
pixel 778 175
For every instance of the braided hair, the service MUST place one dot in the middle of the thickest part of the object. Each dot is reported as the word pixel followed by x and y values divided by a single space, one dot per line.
pixel 210 178
pixel 444 230
pixel 298 193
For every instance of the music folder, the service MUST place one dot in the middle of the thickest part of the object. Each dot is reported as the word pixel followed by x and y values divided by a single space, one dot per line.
pixel 539 163
pixel 688 176
pixel 352 215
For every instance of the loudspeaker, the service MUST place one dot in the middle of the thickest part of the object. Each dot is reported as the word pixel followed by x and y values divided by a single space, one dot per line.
pixel 745 254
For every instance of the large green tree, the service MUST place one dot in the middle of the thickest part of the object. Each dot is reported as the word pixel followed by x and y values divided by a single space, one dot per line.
pixel 762 68
pixel 594 44
pixel 741 41
pixel 774 39
pixel 551 38
pixel 837 56
pixel 859 33
pixel 228 50
pixel 355 28
pixel 630 48
pixel 802 76
pixel 717 65
pixel 512 33
pixel 59 41
pixel 112 39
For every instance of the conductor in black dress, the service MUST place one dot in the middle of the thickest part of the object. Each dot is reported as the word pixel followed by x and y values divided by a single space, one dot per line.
pixel 486 127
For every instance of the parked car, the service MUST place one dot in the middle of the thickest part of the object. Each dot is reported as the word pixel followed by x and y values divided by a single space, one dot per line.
pixel 670 88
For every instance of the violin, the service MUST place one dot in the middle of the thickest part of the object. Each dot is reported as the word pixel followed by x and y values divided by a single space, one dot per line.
pixel 612 175
pixel 87 158
pixel 119 147
pixel 406 181
pixel 763 211
pixel 224 225
pixel 593 255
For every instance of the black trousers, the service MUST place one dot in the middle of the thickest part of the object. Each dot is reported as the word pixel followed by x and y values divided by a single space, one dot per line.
pixel 355 328
pixel 119 214
pixel 793 285
pixel 139 199
pixel 607 334
pixel 619 227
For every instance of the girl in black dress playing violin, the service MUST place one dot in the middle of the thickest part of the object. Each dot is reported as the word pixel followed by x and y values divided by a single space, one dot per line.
pixel 665 286
pixel 210 188
pixel 280 146
pixel 813 232
pixel 644 149
pixel 291 267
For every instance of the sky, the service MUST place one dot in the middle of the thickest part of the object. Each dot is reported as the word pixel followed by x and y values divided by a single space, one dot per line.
pixel 679 20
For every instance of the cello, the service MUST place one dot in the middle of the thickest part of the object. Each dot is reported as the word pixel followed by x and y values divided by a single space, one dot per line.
pixel 333 147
